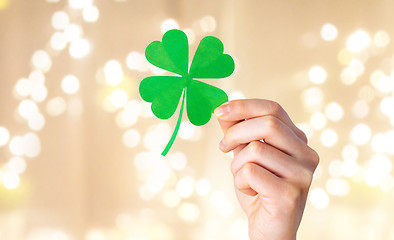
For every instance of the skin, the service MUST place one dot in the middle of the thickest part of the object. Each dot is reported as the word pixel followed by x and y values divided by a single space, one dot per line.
pixel 272 167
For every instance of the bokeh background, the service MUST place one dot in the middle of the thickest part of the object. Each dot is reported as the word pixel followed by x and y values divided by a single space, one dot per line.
pixel 80 150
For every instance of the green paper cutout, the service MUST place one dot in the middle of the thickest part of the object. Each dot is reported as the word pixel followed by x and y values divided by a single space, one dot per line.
pixel 164 92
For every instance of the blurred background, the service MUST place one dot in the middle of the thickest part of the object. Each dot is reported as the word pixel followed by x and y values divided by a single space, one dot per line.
pixel 80 150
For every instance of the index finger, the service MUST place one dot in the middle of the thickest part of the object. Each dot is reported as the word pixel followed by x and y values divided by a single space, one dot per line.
pixel 232 112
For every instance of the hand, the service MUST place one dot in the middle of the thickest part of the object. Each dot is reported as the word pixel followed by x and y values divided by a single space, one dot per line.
pixel 272 166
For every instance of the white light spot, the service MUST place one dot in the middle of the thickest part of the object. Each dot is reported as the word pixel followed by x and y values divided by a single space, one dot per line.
pixel 79 4
pixel 4 136
pixel 360 134
pixel 36 122
pixel 10 180
pixel 329 32
pixel 185 187
pixel 188 212
pixel 79 48
pixel 41 60
pixel 119 98
pixel 203 187
pixel 319 198
pixel 329 137
pixel 178 161
pixel 358 41
pixel 381 39
pixel 318 121
pixel 131 138
pixel 60 20
pixel 72 32
pixel 56 106
pixel 317 74
pixel 334 111
pixel 70 84
pixel 169 24
pixel 58 41
pixel 32 145
pixel 208 24
pixel 113 73
pixel 27 108
pixel 90 14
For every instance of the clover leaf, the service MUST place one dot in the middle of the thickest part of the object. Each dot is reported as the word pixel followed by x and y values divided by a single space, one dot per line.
pixel 164 92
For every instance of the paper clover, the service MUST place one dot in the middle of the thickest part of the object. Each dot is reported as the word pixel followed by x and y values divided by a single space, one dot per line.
pixel 164 92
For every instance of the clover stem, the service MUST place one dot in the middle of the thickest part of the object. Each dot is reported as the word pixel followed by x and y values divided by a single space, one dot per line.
pixel 178 124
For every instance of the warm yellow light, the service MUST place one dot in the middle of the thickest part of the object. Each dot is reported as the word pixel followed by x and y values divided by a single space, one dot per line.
pixel 23 87
pixel 381 39
pixel 16 146
pixel 119 98
pixel 135 61
pixel 188 212
pixel 387 106
pixel 221 204
pixel 329 32
pixel 70 84
pixel 171 199
pixel 317 74
pixel 319 198
pixel 169 24
pixel 358 41
pixel 79 48
pixel 113 73
pixel 348 76
pixel 10 180
pixel 357 66
pixel 329 137
pixel 4 4
pixel 345 56
pixel 350 168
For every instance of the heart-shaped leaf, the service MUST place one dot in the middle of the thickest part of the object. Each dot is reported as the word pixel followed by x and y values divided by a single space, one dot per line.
pixel 155 90
pixel 172 54
pixel 209 60
pixel 201 100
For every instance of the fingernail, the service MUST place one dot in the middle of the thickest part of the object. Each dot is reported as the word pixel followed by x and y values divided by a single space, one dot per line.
pixel 222 111
pixel 222 145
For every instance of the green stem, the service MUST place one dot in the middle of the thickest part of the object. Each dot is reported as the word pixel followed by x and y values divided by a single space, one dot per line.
pixel 178 124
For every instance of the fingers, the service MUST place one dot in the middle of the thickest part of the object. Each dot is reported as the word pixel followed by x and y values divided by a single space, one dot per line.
pixel 233 112
pixel 253 179
pixel 268 128
pixel 268 157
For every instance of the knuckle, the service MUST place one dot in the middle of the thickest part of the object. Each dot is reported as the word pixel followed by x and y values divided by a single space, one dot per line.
pixel 276 108
pixel 247 171
pixel 290 197
pixel 304 178
pixel 271 123
pixel 313 158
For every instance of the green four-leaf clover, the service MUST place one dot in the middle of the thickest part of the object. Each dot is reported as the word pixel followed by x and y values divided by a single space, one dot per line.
pixel 164 92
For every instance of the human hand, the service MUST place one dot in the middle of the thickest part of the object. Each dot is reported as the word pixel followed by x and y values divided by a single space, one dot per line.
pixel 272 166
